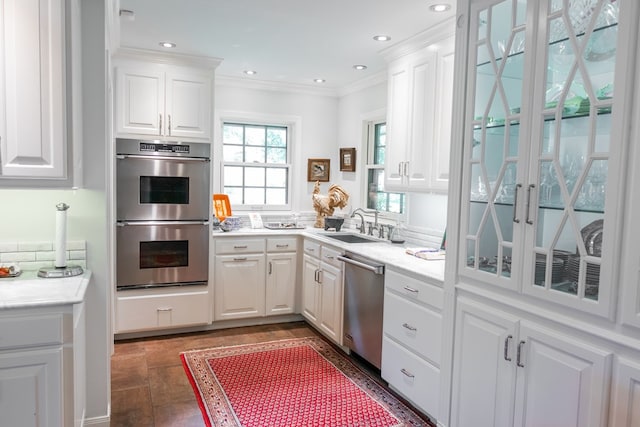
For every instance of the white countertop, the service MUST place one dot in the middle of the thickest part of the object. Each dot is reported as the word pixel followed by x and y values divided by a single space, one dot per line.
pixel 28 290
pixel 392 255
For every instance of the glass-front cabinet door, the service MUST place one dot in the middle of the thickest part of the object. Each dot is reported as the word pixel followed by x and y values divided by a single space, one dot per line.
pixel 540 145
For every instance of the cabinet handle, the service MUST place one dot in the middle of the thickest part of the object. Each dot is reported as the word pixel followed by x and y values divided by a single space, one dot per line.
pixel 164 309
pixel 531 186
pixel 240 247
pixel 160 127
pixel 518 360
pixel 320 276
pixel 506 348
pixel 282 246
pixel 329 257
pixel 169 124
pixel 410 289
pixel 409 327
pixel 311 249
pixel 400 168
pixel 244 258
pixel 515 204
pixel 407 373
pixel 315 276
pixel 406 169
pixel 270 267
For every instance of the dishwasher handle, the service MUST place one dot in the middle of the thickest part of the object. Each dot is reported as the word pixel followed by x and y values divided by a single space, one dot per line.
pixel 375 268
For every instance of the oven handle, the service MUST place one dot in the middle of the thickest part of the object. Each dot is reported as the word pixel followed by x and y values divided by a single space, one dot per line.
pixel 126 223
pixel 181 159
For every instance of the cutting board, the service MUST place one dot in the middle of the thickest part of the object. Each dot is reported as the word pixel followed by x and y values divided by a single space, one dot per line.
pixel 221 206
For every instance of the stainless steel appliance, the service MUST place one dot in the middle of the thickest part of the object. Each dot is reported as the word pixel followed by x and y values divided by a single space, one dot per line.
pixel 161 181
pixel 363 306
pixel 162 210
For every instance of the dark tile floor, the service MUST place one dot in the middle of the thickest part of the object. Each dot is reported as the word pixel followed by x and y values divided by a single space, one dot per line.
pixel 149 386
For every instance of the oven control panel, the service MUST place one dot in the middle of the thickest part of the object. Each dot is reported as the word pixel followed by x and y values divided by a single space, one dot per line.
pixel 164 148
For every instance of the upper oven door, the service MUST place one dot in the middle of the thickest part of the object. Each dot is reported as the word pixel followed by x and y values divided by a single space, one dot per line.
pixel 159 188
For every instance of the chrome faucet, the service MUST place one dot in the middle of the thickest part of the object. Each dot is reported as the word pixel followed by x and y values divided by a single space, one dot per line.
pixel 354 213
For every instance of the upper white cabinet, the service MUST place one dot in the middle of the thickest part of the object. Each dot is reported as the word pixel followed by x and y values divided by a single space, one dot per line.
pixel 163 100
pixel 544 149
pixel 39 80
pixel 420 93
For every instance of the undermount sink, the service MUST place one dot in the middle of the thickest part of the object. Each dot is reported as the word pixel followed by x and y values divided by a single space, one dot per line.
pixel 351 238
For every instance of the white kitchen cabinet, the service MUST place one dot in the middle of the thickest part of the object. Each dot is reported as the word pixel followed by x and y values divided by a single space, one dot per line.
pixel 255 277
pixel 280 292
pixel 512 372
pixel 625 407
pixel 322 289
pixel 239 286
pixel 162 308
pixel 412 342
pixel 39 86
pixel 420 89
pixel 42 366
pixel 164 101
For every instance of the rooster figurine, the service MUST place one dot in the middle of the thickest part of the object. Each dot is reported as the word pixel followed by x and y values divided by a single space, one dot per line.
pixel 324 204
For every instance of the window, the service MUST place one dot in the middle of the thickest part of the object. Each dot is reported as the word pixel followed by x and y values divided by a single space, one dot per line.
pixel 377 198
pixel 256 169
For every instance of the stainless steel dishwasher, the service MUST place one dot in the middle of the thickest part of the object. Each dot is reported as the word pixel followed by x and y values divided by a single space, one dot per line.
pixel 363 303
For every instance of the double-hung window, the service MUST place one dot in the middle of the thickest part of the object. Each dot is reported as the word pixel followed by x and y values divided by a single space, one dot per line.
pixel 256 170
pixel 377 197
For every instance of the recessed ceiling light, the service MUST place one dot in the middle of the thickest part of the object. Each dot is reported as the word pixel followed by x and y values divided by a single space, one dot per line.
pixel 168 45
pixel 440 7
pixel 250 72
pixel 382 38
pixel 360 67
pixel 319 80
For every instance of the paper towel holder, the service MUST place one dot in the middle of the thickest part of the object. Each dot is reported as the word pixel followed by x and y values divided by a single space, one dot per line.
pixel 61 269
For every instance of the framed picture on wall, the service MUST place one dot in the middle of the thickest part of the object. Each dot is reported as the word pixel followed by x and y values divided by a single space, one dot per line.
pixel 348 159
pixel 318 170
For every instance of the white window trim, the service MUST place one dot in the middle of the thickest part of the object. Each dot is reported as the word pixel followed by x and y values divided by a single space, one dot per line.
pixel 294 126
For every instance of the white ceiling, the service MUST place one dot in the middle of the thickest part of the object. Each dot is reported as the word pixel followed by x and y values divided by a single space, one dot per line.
pixel 285 41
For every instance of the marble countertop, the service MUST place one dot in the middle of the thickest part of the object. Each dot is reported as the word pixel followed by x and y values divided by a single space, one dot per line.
pixel 28 290
pixel 390 254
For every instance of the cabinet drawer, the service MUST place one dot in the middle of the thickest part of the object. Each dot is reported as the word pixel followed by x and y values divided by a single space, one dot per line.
pixel 330 256
pixel 31 331
pixel 143 311
pixel 412 288
pixel 413 325
pixel 413 377
pixel 312 248
pixel 239 246
pixel 282 244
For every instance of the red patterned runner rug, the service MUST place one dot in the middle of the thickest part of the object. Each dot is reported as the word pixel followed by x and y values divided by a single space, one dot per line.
pixel 290 383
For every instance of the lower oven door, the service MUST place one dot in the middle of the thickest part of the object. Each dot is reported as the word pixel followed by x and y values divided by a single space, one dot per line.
pixel 151 254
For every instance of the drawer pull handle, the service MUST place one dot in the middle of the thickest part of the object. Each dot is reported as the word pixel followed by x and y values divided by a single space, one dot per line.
pixel 409 327
pixel 329 257
pixel 311 249
pixel 407 373
pixel 240 247
pixel 164 309
pixel 244 258
pixel 282 246
pixel 410 289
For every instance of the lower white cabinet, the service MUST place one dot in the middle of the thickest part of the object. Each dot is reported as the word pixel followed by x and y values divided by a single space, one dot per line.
pixel 625 407
pixel 512 372
pixel 254 277
pixel 322 289
pixel 162 308
pixel 42 367
pixel 412 341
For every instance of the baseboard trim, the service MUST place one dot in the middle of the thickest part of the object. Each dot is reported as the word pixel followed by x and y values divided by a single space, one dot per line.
pixel 103 421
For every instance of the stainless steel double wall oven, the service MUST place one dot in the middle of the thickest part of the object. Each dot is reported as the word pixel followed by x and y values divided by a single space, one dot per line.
pixel 162 210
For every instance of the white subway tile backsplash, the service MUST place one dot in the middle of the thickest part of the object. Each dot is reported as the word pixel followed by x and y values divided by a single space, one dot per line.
pixel 35 255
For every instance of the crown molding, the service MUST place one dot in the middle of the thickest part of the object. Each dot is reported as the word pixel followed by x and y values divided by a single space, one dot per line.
pixel 362 84
pixel 167 58
pixel 421 40
pixel 246 83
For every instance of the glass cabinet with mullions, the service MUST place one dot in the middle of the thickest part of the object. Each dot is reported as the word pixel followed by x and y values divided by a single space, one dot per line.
pixel 541 148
